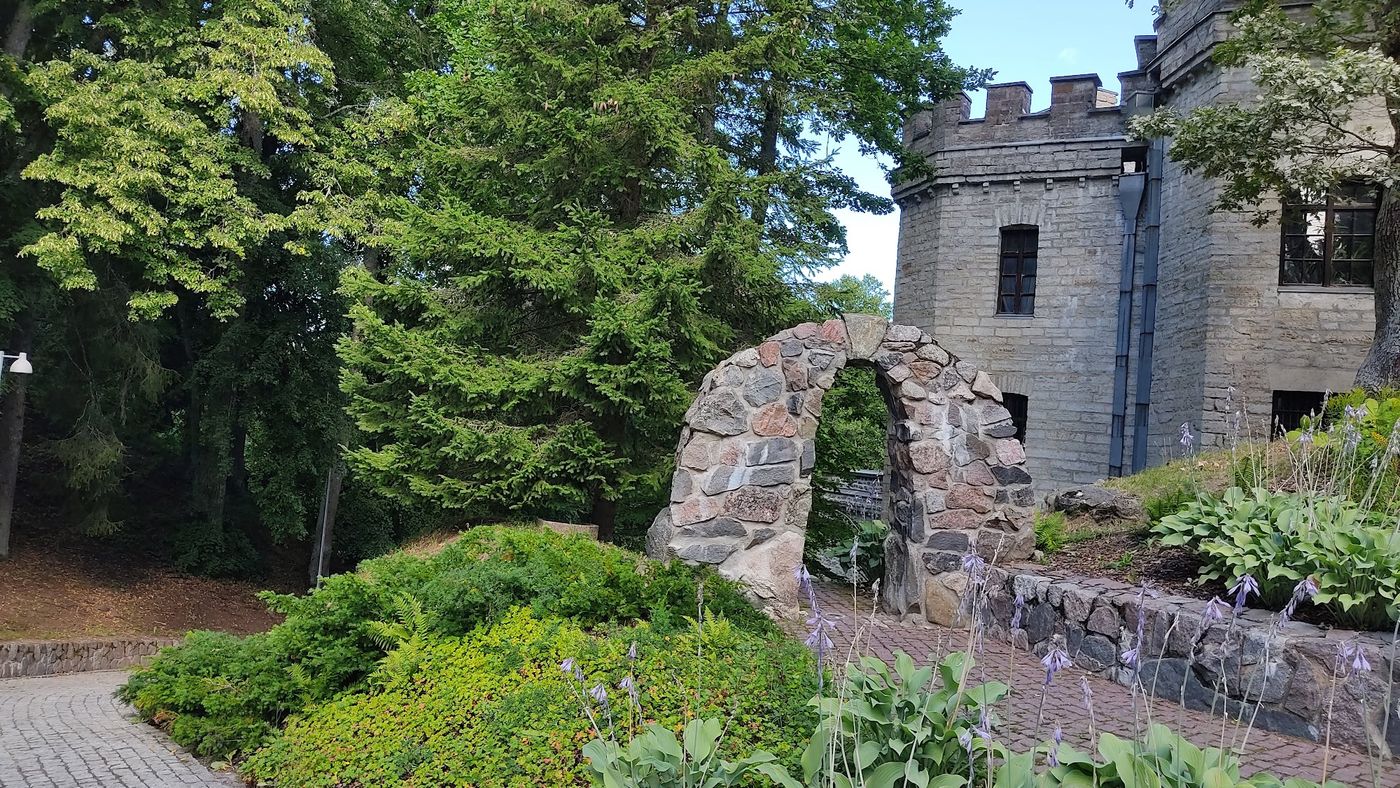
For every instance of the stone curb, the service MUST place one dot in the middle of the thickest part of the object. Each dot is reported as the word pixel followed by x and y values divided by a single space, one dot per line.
pixel 21 658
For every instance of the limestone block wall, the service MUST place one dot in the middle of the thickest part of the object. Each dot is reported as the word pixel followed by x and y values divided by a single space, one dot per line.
pixel 743 483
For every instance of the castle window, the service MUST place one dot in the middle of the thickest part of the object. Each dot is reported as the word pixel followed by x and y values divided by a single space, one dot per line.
pixel 1330 240
pixel 1016 283
pixel 1019 406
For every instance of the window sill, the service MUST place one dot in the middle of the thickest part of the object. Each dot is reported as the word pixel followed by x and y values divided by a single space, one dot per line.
pixel 1318 289
pixel 1011 316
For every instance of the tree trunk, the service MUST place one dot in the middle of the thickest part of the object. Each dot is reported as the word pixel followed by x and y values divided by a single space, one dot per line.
pixel 12 435
pixel 768 146
pixel 1381 369
pixel 604 515
pixel 20 30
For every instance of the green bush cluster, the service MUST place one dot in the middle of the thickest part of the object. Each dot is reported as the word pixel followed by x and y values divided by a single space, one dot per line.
pixel 1282 537
pixel 1355 446
pixel 1051 531
pixel 222 695
pixel 494 708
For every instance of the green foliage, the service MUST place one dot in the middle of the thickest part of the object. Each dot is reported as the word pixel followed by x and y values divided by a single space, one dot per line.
pixel 493 707
pixel 861 559
pixel 887 727
pixel 335 638
pixel 1050 531
pixel 655 758
pixel 1281 538
pixel 1355 448
pixel 1162 759
pixel 219 694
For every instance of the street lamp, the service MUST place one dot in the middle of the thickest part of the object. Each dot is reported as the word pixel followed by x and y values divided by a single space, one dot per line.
pixel 20 366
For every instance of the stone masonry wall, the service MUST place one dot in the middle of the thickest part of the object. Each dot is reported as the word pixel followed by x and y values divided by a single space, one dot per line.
pixel 47 657
pixel 1287 671
pixel 742 488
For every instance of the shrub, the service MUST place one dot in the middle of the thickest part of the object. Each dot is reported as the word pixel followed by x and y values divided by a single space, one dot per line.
pixel 1280 538
pixel 1354 451
pixel 327 643
pixel 494 708
pixel 860 558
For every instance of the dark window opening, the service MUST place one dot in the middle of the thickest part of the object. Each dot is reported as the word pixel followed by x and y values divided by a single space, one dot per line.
pixel 1330 240
pixel 1019 405
pixel 1016 280
pixel 1291 406
pixel 1134 160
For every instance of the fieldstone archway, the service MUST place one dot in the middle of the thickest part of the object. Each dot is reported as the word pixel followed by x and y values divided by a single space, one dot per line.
pixel 742 488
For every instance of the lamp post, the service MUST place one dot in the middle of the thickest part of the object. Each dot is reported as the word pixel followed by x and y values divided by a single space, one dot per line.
pixel 11 424
pixel 20 365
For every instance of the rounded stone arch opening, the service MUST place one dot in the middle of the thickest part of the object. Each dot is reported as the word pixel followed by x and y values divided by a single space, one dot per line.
pixel 742 488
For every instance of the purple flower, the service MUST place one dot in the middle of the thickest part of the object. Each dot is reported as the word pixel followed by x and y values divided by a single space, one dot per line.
pixel 804 579
pixel 1187 438
pixel 965 739
pixel 1213 612
pixel 599 693
pixel 630 687
pixel 1054 757
pixel 1130 657
pixel 983 727
pixel 567 666
pixel 1242 588
pixel 1305 589
pixel 1020 605
pixel 1086 692
pixel 1054 661
pixel 632 652
pixel 973 564
pixel 818 637
pixel 1353 653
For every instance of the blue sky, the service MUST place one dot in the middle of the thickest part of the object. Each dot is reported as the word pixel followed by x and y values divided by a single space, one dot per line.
pixel 1024 40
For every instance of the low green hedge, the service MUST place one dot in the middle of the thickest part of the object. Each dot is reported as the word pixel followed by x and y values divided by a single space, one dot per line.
pixel 493 707
pixel 222 696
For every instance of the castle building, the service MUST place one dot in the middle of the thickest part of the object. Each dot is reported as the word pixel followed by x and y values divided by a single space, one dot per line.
pixel 1087 273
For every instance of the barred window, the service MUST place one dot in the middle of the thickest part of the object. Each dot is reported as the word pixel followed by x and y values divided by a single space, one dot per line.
pixel 1291 406
pixel 1330 240
pixel 1016 284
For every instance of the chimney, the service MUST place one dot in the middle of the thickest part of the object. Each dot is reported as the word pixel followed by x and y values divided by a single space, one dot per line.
pixel 1008 101
pixel 1074 92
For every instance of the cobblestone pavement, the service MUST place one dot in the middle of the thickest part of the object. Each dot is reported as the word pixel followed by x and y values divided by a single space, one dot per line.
pixel 1114 707
pixel 69 731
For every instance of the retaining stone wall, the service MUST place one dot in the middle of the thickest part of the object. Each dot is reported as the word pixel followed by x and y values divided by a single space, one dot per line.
pixel 1291 667
pixel 48 657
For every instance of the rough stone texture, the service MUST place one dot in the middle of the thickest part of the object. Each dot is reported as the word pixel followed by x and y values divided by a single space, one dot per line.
pixel 1101 503
pixel 48 657
pixel 1223 320
pixel 1285 672
pixel 71 732
pixel 747 452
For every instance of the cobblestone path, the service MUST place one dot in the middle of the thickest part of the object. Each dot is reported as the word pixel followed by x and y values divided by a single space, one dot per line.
pixel 69 731
pixel 1114 709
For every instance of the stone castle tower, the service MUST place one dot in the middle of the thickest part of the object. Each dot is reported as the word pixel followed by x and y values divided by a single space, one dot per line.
pixel 1087 273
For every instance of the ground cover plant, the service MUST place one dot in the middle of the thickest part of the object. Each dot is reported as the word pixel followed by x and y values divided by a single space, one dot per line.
pixel 222 695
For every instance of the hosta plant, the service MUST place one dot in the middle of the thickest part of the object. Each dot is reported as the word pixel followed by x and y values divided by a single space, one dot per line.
pixel 1279 538
pixel 1161 760
pixel 655 758
pixel 899 728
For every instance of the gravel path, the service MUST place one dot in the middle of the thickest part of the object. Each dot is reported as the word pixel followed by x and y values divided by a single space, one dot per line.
pixel 67 731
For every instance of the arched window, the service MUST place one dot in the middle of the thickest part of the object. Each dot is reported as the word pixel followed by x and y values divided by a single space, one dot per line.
pixel 1016 282
pixel 1330 240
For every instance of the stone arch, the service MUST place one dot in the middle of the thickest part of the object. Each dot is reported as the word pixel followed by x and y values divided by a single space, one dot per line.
pixel 742 488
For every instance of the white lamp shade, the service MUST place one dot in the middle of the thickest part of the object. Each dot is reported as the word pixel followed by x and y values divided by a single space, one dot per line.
pixel 22 365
